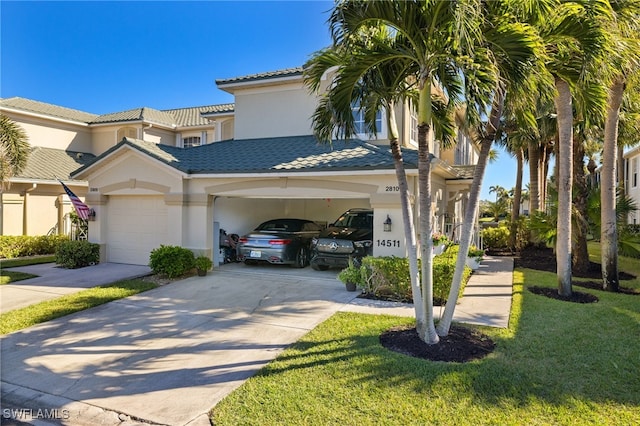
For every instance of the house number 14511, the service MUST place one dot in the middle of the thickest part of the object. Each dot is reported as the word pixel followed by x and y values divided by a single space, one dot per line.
pixel 388 243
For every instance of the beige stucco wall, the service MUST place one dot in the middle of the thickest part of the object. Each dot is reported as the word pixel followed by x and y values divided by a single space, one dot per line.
pixel 282 110
pixel 54 134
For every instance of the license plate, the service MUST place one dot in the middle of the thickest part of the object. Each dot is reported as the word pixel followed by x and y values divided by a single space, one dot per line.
pixel 255 253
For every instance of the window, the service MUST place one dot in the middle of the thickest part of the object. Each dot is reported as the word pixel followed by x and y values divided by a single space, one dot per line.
pixel 126 132
pixel 359 120
pixel 413 131
pixel 634 173
pixel 191 141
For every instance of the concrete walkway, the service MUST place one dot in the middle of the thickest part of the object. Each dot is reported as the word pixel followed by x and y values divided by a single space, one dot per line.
pixel 486 299
pixel 167 356
pixel 53 282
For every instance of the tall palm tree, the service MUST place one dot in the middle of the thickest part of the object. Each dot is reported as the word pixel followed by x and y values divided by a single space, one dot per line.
pixel 625 61
pixel 573 38
pixel 437 41
pixel 374 89
pixel 14 152
pixel 513 50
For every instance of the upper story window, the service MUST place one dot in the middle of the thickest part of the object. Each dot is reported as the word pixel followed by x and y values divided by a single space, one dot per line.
pixel 463 150
pixel 191 141
pixel 413 128
pixel 126 132
pixel 359 120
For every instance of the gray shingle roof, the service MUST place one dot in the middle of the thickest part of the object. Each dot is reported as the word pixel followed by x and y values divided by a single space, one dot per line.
pixel 49 163
pixel 289 72
pixel 43 108
pixel 138 114
pixel 194 116
pixel 269 155
pixel 180 117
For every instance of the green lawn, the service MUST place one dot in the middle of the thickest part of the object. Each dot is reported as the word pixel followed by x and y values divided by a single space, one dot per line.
pixel 7 276
pixel 558 363
pixel 85 299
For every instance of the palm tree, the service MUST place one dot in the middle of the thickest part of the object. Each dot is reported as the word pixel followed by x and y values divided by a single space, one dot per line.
pixel 380 87
pixel 573 38
pixel 624 61
pixel 14 151
pixel 437 42
pixel 513 50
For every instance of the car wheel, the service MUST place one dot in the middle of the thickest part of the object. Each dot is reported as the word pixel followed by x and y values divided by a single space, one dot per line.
pixel 301 258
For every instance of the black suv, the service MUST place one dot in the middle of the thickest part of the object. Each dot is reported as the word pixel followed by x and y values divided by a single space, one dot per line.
pixel 350 237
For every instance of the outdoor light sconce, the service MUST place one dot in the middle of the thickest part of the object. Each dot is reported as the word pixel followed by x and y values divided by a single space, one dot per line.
pixel 387 224
pixel 92 215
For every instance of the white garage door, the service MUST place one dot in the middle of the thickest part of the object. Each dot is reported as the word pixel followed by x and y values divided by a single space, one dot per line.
pixel 136 225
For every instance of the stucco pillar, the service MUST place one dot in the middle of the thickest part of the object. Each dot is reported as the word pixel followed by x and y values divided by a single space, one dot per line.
pixel 98 227
pixel 388 243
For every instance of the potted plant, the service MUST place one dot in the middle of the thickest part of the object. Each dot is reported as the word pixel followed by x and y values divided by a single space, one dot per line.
pixel 350 276
pixel 203 264
pixel 474 257
pixel 439 243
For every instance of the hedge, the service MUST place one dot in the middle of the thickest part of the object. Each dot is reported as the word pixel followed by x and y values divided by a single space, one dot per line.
pixel 23 245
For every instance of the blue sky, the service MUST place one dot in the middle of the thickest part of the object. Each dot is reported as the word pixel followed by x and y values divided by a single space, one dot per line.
pixel 103 57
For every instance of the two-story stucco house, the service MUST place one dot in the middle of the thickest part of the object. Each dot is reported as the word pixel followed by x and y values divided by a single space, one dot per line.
pixel 256 159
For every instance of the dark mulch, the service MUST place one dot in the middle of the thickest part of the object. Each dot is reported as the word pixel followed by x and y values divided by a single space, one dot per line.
pixel 465 344
pixel 461 345
pixel 544 259
pixel 552 293
pixel 597 285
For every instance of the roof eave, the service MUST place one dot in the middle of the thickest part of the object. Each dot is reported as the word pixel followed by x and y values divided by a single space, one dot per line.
pixel 45 116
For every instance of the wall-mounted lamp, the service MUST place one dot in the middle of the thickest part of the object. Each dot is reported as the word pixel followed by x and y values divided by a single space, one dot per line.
pixel 92 215
pixel 387 224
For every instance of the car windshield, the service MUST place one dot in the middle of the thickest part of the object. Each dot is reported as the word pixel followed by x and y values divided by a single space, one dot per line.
pixel 280 226
pixel 355 220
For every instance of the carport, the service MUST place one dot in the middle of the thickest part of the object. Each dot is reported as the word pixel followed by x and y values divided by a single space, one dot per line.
pixel 181 196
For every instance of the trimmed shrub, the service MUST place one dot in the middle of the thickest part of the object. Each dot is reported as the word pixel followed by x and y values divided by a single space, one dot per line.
pixel 24 245
pixel 77 254
pixel 172 261
pixel 495 238
pixel 388 277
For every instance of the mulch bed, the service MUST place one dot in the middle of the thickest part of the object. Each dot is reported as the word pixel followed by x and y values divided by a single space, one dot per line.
pixel 461 345
pixel 465 344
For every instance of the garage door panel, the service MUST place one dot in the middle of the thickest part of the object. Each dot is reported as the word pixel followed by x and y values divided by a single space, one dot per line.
pixel 137 225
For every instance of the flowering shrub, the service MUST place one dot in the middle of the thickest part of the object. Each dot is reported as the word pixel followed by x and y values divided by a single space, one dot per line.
pixel 439 238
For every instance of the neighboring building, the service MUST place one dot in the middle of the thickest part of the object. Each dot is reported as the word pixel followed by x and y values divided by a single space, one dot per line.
pixel 632 182
pixel 148 190
pixel 63 139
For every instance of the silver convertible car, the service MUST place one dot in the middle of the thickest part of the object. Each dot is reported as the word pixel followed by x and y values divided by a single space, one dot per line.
pixel 281 241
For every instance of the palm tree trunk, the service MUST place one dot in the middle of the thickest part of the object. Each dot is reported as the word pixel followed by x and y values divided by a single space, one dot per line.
pixel 534 179
pixel 608 229
pixel 517 196
pixel 471 212
pixel 429 335
pixel 580 261
pixel 407 219
pixel 564 161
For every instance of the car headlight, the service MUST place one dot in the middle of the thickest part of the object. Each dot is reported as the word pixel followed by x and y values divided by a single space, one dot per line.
pixel 314 242
pixel 363 243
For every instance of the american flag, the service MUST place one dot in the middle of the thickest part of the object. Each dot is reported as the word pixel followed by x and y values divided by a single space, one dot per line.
pixel 81 208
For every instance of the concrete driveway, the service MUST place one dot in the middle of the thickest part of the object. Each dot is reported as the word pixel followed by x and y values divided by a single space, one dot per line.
pixel 168 355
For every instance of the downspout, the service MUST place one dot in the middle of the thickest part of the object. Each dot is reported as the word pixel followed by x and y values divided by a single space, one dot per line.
pixel 145 128
pixel 25 194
